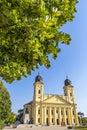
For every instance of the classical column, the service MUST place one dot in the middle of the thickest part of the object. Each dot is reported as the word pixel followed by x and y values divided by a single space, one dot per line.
pixel 59 115
pixel 49 115
pixel 69 118
pixel 44 115
pixel 35 120
pixel 64 113
pixel 41 114
pixel 76 117
pixel 54 116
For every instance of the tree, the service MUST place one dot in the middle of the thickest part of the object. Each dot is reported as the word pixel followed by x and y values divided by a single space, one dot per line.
pixel 5 105
pixel 12 118
pixel 30 32
pixel 84 121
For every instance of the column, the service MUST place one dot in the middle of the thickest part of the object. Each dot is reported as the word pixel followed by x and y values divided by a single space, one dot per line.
pixel 44 115
pixel 49 115
pixel 41 114
pixel 71 116
pixel 54 116
pixel 64 119
pixel 35 120
pixel 59 115
pixel 76 118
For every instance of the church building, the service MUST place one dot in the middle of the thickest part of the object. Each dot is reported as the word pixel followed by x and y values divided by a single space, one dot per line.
pixel 50 109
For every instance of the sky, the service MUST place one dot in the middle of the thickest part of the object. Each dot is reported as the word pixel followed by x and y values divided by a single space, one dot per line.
pixel 71 62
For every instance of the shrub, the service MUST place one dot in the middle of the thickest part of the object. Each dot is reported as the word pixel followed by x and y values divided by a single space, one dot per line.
pixel 69 127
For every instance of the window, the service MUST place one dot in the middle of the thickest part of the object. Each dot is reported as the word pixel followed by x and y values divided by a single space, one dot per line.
pixel 65 94
pixel 38 120
pixel 74 120
pixel 46 111
pixel 56 111
pixel 52 120
pixel 39 111
pixel 66 112
pixel 38 91
pixel 26 110
pixel 61 112
pixel 73 113
pixel 52 112
pixel 70 94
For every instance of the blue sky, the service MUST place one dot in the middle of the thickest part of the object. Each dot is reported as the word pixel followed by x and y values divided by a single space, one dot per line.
pixel 71 62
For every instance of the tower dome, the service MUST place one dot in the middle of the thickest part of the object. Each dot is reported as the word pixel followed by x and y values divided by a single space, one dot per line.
pixel 38 78
pixel 67 82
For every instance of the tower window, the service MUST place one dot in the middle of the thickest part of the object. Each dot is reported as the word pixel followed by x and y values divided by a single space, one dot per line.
pixel 70 94
pixel 38 91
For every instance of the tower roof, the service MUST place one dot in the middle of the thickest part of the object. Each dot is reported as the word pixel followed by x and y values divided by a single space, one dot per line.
pixel 38 78
pixel 67 82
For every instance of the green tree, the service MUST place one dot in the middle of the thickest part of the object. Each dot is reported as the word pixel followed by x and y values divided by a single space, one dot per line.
pixel 84 121
pixel 30 32
pixel 5 105
pixel 12 118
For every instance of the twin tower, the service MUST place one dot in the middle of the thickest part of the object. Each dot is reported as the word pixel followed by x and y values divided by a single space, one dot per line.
pixel 39 89
pixel 51 109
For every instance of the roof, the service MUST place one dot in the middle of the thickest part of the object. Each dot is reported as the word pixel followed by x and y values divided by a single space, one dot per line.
pixel 28 103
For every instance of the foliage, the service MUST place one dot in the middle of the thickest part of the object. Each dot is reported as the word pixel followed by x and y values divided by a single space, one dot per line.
pixel 30 32
pixel 70 127
pixel 2 124
pixel 80 127
pixel 12 118
pixel 84 121
pixel 5 105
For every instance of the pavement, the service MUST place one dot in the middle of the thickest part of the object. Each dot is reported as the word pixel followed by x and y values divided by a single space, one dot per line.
pixel 33 127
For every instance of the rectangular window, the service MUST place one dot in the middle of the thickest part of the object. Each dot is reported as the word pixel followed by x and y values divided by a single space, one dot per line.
pixel 61 112
pixel 26 110
pixel 52 112
pixel 73 113
pixel 74 120
pixel 52 120
pixel 56 111
pixel 38 91
pixel 38 120
pixel 39 111
pixel 66 112
pixel 46 111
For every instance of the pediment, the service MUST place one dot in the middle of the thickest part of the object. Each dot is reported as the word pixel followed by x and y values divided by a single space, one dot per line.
pixel 56 99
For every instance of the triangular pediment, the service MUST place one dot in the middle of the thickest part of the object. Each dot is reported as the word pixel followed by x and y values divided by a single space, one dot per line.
pixel 56 99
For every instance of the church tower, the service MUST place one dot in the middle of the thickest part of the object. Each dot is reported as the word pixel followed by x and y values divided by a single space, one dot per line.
pixel 68 90
pixel 38 89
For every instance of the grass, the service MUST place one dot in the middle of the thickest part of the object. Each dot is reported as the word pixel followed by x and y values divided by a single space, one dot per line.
pixel 81 129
